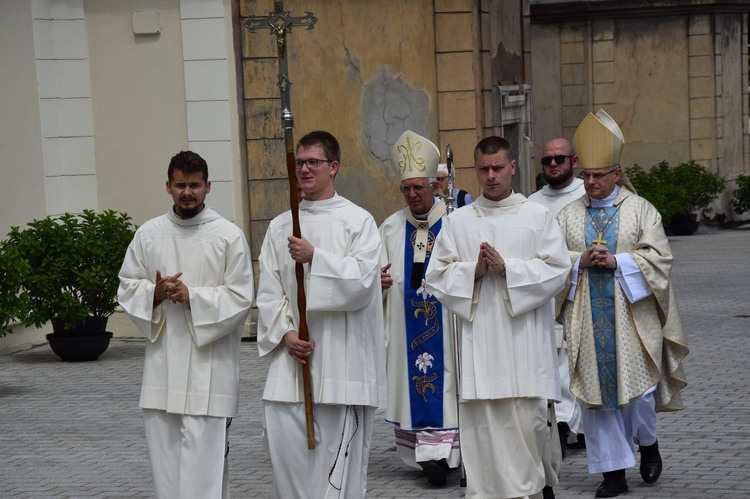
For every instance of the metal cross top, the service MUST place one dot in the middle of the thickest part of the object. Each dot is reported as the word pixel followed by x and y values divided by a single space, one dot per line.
pixel 280 23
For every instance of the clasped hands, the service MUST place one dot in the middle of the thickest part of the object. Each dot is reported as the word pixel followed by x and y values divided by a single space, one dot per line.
pixel 171 288
pixel 489 260
pixel 597 256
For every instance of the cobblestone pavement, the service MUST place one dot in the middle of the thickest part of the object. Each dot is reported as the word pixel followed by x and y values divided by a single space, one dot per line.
pixel 74 430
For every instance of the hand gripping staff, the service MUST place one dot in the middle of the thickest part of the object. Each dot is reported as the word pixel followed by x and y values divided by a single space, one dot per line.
pixel 280 23
pixel 449 199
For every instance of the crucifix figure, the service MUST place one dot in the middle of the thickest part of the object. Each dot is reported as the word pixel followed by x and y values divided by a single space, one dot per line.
pixel 280 23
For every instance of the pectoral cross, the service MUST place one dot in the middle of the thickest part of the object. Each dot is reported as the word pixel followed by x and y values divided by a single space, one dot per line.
pixel 599 241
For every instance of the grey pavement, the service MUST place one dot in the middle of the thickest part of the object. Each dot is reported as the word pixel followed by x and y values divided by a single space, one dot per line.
pixel 74 430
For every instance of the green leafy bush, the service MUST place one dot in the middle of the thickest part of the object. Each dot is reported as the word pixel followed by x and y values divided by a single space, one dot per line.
pixel 676 190
pixel 741 197
pixel 62 268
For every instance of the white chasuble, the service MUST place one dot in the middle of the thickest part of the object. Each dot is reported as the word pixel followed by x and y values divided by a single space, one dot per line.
pixel 650 343
pixel 192 354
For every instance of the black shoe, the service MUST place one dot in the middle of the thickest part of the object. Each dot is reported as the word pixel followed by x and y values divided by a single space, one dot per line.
pixel 436 471
pixel 547 492
pixel 613 485
pixel 564 430
pixel 580 443
pixel 650 462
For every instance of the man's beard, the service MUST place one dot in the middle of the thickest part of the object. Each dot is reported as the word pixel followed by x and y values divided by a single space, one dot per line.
pixel 186 213
pixel 560 179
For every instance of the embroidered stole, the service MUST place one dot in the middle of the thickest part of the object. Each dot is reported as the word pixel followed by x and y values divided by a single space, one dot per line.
pixel 602 291
pixel 423 317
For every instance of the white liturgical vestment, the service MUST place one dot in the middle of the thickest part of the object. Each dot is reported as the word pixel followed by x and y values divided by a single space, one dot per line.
pixel 507 342
pixel 344 306
pixel 193 350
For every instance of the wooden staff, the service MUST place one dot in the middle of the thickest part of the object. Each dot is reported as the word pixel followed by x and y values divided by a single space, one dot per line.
pixel 280 22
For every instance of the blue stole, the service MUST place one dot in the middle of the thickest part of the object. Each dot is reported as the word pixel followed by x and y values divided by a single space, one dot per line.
pixel 602 292
pixel 423 317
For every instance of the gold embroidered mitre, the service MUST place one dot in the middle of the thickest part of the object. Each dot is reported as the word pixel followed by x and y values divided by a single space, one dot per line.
pixel 598 141
pixel 413 156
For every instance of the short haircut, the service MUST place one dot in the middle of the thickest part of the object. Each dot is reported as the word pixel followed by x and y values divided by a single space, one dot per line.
pixel 491 145
pixel 325 140
pixel 187 162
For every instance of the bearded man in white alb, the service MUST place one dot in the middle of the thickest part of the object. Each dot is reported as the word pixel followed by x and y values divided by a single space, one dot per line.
pixel 496 264
pixel 559 162
pixel 187 283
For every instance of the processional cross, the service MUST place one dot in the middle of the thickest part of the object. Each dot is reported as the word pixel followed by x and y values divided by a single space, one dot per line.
pixel 280 23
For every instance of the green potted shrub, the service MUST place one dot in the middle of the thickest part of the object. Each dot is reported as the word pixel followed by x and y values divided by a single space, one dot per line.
pixel 65 270
pixel 741 196
pixel 679 192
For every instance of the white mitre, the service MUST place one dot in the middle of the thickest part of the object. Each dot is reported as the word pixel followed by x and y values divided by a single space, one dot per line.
pixel 413 156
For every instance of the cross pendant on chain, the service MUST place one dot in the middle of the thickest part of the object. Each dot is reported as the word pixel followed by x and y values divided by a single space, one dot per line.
pixel 599 240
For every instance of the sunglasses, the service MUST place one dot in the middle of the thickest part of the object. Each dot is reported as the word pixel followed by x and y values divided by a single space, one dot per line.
pixel 559 159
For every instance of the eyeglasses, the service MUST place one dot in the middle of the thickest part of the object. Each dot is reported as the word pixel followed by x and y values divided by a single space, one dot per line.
pixel 596 176
pixel 440 179
pixel 416 188
pixel 312 163
pixel 559 159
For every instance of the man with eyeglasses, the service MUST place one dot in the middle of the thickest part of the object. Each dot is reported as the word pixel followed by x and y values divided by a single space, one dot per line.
pixel 340 250
pixel 559 162
pixel 420 359
pixel 625 339
pixel 497 265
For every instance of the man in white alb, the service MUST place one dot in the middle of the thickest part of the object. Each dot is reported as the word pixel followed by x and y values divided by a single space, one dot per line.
pixel 496 264
pixel 559 161
pixel 340 249
pixel 187 283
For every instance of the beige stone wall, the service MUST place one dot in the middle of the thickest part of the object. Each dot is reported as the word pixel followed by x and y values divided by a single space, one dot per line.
pixel 676 84
pixel 366 72
pixel 21 161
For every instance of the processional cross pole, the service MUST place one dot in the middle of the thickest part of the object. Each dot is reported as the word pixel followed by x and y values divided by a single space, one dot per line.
pixel 455 338
pixel 279 22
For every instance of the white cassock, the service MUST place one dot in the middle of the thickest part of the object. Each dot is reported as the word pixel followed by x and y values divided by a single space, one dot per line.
pixel 508 351
pixel 567 410
pixel 191 368
pixel 345 320
pixel 417 442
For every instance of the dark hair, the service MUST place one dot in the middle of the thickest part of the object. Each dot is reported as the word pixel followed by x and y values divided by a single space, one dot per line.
pixel 491 145
pixel 187 162
pixel 325 140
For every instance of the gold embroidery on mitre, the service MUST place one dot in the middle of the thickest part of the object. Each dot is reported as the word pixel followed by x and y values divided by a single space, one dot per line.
pixel 410 159
pixel 413 156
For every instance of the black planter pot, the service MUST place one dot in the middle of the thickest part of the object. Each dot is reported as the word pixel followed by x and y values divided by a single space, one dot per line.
pixel 83 343
pixel 684 225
